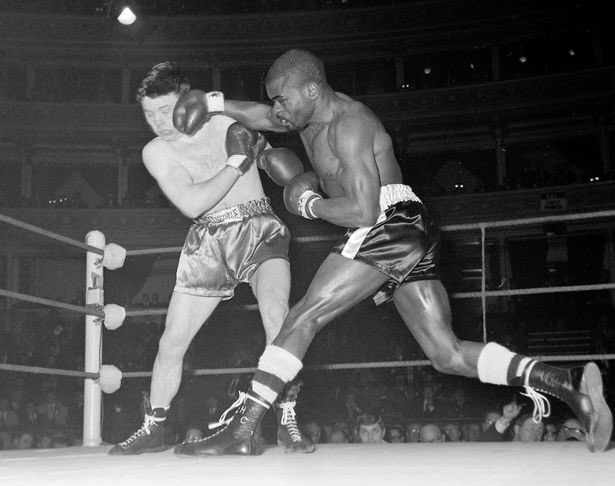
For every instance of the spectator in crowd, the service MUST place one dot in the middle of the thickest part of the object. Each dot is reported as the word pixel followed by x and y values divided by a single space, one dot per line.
pixel 370 429
pixel 452 432
pixel 527 429
pixel 471 432
pixel 43 441
pixel 571 429
pixel 431 432
pixel 24 440
pixel 8 418
pixel 413 432
pixel 52 412
pixel 313 431
pixel 339 436
pixel 6 439
pixel 498 430
pixel 551 431
pixel 396 434
pixel 193 433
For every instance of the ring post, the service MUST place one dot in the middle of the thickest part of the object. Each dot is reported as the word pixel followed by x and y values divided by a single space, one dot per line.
pixel 92 395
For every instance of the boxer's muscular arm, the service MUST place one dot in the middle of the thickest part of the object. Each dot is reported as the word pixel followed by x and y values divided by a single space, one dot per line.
pixel 192 199
pixel 257 116
pixel 351 140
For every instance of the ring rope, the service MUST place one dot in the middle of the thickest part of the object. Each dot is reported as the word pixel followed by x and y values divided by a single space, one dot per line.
pixel 90 310
pixel 329 367
pixel 50 234
pixel 535 290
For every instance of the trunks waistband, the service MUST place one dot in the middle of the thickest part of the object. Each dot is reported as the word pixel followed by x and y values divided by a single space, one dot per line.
pixel 394 193
pixel 236 213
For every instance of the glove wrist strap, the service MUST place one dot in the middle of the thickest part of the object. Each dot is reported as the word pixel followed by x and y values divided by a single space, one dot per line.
pixel 239 162
pixel 305 203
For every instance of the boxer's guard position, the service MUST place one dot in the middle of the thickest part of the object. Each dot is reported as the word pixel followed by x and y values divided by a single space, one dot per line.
pixel 391 252
pixel 211 177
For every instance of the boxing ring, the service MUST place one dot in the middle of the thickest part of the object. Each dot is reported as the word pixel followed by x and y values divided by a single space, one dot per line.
pixel 444 463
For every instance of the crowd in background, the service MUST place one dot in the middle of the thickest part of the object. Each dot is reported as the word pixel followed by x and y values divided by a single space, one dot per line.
pixel 397 404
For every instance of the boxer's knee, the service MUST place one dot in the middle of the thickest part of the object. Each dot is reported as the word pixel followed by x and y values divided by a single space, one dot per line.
pixel 172 346
pixel 448 359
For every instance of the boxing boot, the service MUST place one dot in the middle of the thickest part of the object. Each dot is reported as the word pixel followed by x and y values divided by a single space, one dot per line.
pixel 289 435
pixel 580 388
pixel 238 436
pixel 149 437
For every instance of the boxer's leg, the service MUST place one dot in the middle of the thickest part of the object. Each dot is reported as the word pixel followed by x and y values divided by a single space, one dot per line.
pixel 425 309
pixel 185 316
pixel 338 285
pixel 271 287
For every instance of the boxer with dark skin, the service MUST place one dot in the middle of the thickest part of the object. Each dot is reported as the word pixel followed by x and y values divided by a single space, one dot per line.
pixel 390 253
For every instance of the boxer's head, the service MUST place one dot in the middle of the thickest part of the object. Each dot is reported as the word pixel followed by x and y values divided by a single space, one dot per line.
pixel 295 83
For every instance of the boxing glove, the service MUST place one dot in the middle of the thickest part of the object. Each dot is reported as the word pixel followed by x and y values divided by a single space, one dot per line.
pixel 281 164
pixel 194 108
pixel 301 193
pixel 242 146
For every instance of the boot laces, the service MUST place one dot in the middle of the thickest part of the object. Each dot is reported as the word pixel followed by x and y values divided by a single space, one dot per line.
pixel 289 421
pixel 542 407
pixel 145 429
pixel 223 420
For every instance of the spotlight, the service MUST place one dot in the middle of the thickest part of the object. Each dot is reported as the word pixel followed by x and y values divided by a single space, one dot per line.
pixel 427 70
pixel 124 11
pixel 522 59
pixel 126 16
pixel 571 52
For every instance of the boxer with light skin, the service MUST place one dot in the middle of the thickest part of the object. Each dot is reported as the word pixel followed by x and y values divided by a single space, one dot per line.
pixel 212 177
pixel 390 253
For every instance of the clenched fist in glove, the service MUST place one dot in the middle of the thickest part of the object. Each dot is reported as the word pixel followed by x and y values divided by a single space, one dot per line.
pixel 301 193
pixel 194 108
pixel 243 146
pixel 281 164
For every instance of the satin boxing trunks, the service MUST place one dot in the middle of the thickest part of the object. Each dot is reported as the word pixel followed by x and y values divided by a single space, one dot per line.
pixel 403 244
pixel 225 248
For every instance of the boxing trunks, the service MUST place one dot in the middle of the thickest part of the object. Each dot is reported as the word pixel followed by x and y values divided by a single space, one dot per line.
pixel 226 247
pixel 403 244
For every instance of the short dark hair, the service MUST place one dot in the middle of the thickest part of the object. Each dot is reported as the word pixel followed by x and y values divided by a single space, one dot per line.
pixel 162 79
pixel 299 66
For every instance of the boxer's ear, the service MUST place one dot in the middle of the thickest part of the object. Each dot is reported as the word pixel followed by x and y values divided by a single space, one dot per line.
pixel 313 90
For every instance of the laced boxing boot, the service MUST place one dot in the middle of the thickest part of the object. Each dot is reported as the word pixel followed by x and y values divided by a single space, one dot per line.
pixel 238 436
pixel 580 388
pixel 289 435
pixel 149 437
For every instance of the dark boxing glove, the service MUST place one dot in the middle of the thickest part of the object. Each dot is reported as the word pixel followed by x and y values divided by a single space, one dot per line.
pixel 281 164
pixel 301 193
pixel 194 108
pixel 243 146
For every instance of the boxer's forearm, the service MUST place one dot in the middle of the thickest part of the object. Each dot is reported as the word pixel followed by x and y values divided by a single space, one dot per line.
pixel 256 116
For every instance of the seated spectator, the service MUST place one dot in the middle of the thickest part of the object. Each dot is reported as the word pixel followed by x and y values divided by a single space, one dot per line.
pixel 431 432
pixel 498 430
pixel 452 432
pixel 6 439
pixel 396 434
pixel 413 432
pixel 8 418
pixel 43 441
pixel 571 429
pixel 59 440
pixel 31 418
pixel 489 419
pixel 312 430
pixel 339 436
pixel 24 440
pixel 526 429
pixel 551 431
pixel 471 432
pixel 52 412
pixel 370 429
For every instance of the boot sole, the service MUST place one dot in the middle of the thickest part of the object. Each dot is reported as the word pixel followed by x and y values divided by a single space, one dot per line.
pixel 144 451
pixel 601 426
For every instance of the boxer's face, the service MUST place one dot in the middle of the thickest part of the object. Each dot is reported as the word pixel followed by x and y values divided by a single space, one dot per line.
pixel 158 113
pixel 291 106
